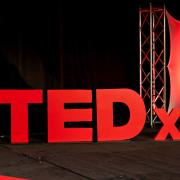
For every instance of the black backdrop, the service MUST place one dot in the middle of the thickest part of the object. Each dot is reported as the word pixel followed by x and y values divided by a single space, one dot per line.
pixel 69 45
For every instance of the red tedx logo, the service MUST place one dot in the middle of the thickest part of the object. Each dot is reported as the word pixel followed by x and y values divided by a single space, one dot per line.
pixel 58 115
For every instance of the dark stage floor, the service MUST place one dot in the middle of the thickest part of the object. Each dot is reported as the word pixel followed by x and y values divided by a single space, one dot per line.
pixel 141 158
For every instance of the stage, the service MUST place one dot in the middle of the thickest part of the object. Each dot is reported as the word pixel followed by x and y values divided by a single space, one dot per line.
pixel 140 158
pixel 102 51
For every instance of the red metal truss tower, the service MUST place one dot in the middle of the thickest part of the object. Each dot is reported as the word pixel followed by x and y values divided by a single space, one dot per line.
pixel 152 51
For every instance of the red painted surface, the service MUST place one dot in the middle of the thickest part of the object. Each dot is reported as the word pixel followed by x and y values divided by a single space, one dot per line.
pixel 105 99
pixel 10 178
pixel 168 121
pixel 19 100
pixel 57 115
